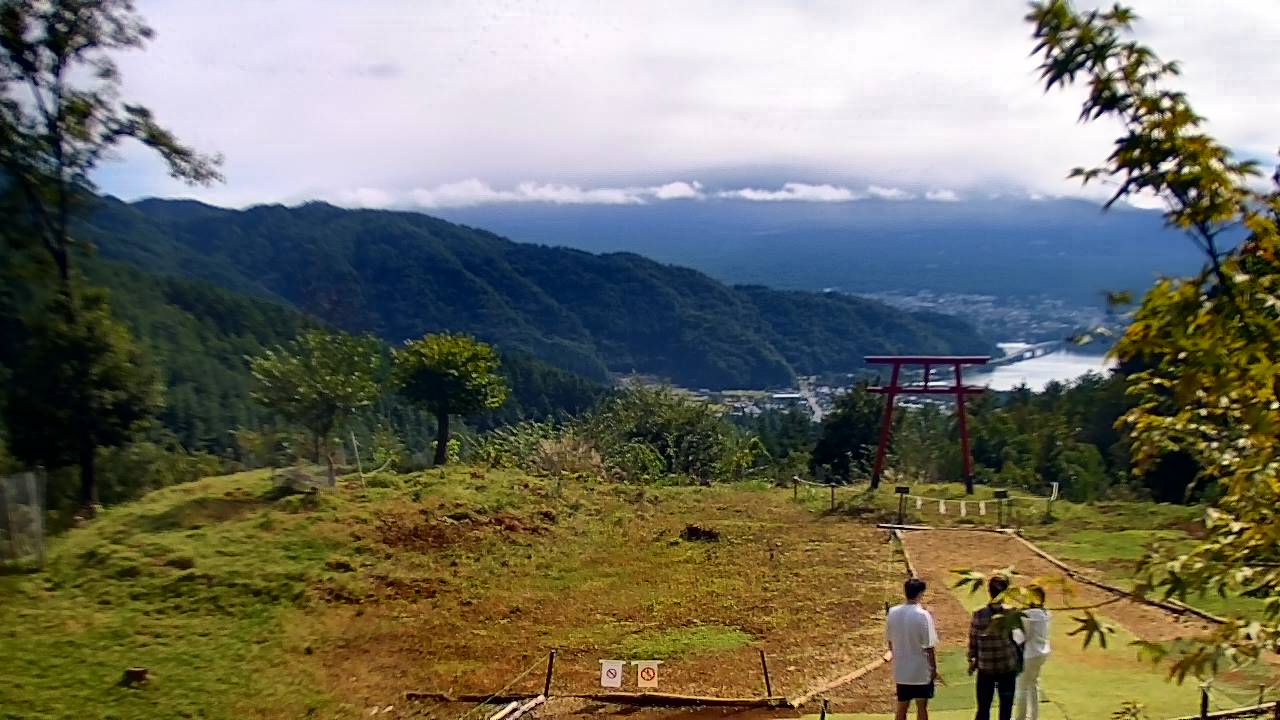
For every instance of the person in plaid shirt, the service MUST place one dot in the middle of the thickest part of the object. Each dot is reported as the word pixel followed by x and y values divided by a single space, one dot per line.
pixel 993 654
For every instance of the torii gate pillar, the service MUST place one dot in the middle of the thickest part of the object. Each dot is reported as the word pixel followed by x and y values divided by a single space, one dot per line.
pixel 894 389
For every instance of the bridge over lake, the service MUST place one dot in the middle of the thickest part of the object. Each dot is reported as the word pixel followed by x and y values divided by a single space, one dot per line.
pixel 1029 352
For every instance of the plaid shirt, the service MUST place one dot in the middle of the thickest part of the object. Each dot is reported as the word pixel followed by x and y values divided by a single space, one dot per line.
pixel 991 647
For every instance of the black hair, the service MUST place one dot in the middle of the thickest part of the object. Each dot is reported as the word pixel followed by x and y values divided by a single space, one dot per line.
pixel 1037 595
pixel 996 585
pixel 913 588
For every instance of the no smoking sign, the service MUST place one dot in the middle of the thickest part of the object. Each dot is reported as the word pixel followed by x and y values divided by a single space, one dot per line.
pixel 611 672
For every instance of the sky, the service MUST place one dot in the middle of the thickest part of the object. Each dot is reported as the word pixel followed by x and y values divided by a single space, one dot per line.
pixel 435 103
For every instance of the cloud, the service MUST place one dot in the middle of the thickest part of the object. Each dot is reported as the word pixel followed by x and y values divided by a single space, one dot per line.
pixel 417 95
pixel 679 191
pixel 372 198
pixel 795 191
pixel 887 193
pixel 477 192
pixel 942 196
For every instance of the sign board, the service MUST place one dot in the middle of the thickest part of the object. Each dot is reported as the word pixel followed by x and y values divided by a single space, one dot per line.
pixel 611 673
pixel 647 673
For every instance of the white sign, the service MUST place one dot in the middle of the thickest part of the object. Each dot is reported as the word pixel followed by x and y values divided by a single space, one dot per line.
pixel 611 673
pixel 647 673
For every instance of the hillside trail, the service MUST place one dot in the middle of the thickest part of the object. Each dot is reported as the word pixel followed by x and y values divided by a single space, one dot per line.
pixel 936 554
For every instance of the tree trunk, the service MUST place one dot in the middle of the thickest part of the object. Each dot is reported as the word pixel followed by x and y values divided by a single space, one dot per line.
pixel 315 447
pixel 442 439
pixel 88 481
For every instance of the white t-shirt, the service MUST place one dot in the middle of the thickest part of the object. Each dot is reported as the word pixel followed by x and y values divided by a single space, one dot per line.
pixel 1034 632
pixel 909 630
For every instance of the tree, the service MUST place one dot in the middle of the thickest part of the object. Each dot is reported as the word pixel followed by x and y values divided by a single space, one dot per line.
pixel 80 384
pixel 449 375
pixel 319 381
pixel 850 433
pixel 60 116
pixel 1210 343
pixel 61 113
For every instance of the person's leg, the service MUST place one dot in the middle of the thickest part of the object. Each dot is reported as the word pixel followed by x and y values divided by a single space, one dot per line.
pixel 922 709
pixel 1029 690
pixel 901 712
pixel 1020 697
pixel 986 689
pixel 1005 684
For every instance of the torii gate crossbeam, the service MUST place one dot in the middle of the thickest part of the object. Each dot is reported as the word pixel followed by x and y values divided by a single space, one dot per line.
pixel 893 390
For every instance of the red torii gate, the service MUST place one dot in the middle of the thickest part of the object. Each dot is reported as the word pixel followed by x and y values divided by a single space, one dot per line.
pixel 959 389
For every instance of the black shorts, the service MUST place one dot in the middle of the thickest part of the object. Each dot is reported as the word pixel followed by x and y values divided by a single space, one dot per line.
pixel 907 693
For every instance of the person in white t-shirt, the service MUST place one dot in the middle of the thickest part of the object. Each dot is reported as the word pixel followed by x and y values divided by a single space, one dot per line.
pixel 1035 651
pixel 910 632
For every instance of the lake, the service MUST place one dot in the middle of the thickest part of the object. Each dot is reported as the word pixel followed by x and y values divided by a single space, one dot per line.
pixel 1038 372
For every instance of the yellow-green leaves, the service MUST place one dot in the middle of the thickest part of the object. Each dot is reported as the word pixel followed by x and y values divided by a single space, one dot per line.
pixel 1208 344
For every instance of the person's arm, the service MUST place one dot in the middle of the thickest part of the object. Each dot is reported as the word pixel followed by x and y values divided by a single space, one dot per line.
pixel 973 643
pixel 929 643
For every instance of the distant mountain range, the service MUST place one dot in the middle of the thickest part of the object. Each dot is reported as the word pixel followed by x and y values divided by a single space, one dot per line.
pixel 402 274
pixel 1006 246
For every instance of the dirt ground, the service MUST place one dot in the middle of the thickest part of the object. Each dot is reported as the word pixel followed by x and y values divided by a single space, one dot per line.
pixel 936 554
pixel 611 581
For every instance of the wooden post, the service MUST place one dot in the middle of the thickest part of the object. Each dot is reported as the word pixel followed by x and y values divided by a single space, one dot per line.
pixel 1204 702
pixel 962 424
pixel 833 496
pixel 768 686
pixel 823 716
pixel 1002 497
pixel 795 487
pixel 551 665
pixel 886 425
pixel 902 491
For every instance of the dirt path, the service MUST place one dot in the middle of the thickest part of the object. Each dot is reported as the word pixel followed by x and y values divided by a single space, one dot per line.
pixel 936 554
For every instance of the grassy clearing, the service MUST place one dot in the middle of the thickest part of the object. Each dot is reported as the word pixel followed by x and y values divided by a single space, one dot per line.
pixel 681 642
pixel 185 582
pixel 247 605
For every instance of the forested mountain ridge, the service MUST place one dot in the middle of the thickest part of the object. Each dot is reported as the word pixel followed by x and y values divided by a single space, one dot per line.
pixel 198 337
pixel 403 274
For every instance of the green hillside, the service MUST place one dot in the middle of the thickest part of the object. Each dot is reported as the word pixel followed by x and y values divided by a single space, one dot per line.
pixel 401 275
pixel 198 336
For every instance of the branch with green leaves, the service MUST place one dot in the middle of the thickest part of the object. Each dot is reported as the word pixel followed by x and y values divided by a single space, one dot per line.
pixel 1208 345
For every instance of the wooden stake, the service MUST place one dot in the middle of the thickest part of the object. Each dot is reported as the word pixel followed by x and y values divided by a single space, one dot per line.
pixel 823 716
pixel 768 686
pixel 833 496
pixel 1204 703
pixel 551 666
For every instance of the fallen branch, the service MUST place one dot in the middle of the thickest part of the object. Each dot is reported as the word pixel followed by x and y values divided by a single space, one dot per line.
pixel 838 682
pixel 669 700
pixel 436 696
pixel 527 707
pixel 620 698
pixel 1251 711
pixel 505 711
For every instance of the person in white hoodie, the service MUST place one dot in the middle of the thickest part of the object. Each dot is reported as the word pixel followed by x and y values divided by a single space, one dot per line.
pixel 1035 651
